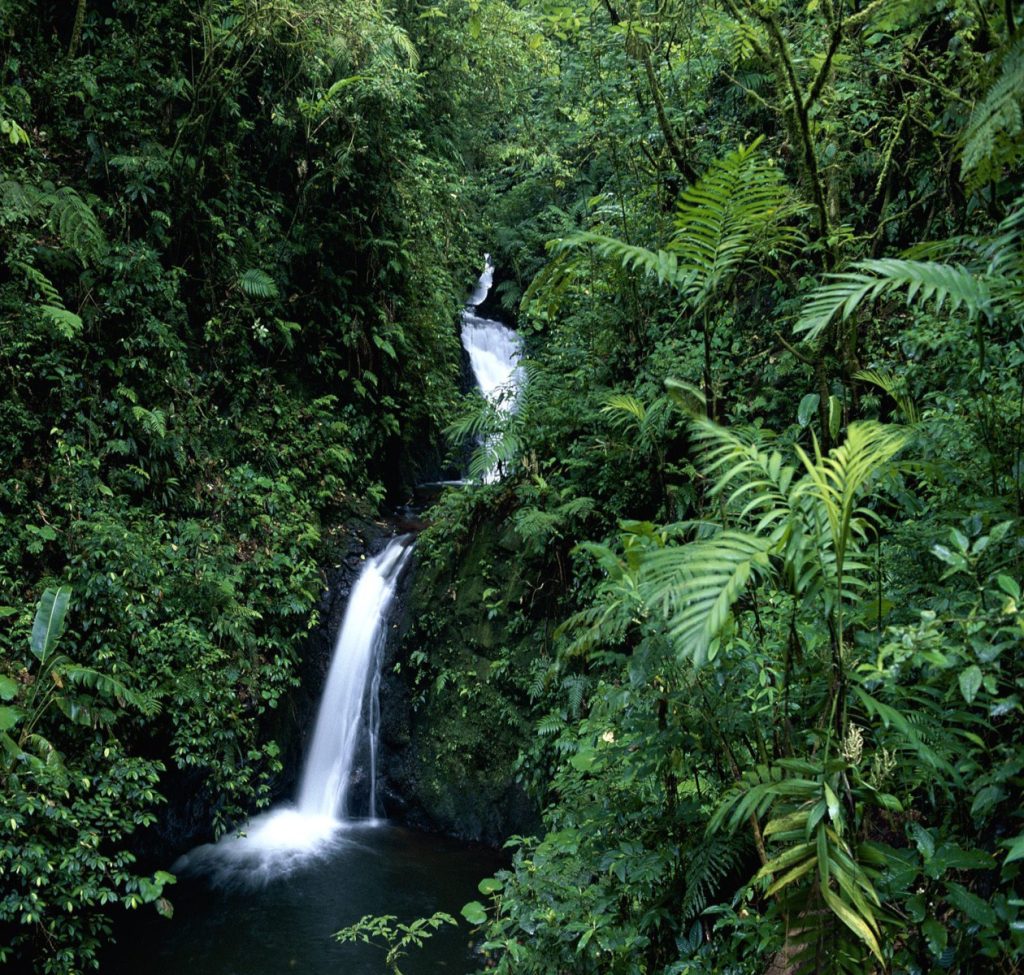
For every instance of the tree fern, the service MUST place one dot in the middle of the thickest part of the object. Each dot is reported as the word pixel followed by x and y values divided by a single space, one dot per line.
pixel 993 137
pixel 923 281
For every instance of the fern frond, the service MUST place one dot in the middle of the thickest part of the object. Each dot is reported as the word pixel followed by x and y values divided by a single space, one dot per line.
pixel 20 199
pixel 62 211
pixel 76 224
pixel 257 284
pixel 923 281
pixel 481 419
pixel 575 685
pixel 551 724
pixel 108 686
pixel 662 264
pixel 66 322
pixel 47 293
pixel 494 457
pixel 707 864
pixel 738 205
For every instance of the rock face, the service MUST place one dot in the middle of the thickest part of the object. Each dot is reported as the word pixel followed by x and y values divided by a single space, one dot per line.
pixel 451 730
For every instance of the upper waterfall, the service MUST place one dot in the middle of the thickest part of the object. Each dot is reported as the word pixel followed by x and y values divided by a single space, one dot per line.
pixel 494 352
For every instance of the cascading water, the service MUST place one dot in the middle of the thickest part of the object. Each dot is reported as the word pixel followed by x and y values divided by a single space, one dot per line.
pixel 340 725
pixel 494 351
pixel 298 872
pixel 346 729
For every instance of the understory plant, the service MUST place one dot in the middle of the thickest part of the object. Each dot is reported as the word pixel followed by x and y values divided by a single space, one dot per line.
pixel 756 699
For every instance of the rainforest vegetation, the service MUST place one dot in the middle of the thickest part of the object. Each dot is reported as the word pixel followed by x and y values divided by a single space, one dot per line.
pixel 741 618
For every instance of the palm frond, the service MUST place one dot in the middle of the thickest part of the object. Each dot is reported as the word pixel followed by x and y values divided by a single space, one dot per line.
pixel 739 203
pixel 624 410
pixel 889 384
pixel 697 584
pixel 750 473
pixel 838 480
pixel 662 264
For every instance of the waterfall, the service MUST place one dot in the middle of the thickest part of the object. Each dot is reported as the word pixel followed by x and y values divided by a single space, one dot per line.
pixel 346 730
pixel 340 725
pixel 494 351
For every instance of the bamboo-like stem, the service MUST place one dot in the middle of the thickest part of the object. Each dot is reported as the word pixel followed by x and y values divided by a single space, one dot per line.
pixel 76 31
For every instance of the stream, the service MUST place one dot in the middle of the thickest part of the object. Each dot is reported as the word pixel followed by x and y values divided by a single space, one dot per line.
pixel 268 898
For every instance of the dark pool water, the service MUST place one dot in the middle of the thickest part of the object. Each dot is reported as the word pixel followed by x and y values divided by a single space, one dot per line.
pixel 284 924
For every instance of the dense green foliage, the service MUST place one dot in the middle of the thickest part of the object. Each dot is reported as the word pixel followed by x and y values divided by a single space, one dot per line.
pixel 764 686
pixel 778 726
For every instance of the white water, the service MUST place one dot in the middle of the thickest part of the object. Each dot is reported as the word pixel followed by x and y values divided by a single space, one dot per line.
pixel 494 352
pixel 346 730
pixel 324 788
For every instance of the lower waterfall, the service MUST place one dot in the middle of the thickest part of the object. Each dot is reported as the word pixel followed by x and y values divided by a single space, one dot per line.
pixel 345 732
pixel 349 714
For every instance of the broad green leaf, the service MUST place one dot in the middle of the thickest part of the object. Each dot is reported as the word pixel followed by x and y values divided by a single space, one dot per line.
pixel 8 688
pixel 808 407
pixel 474 912
pixel 583 760
pixel 835 416
pixel 1016 848
pixel 49 621
pixel 970 682
pixel 923 839
pixel 1009 585
pixel 490 885
pixel 9 717
pixel 972 906
pixel 936 935
pixel 833 803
